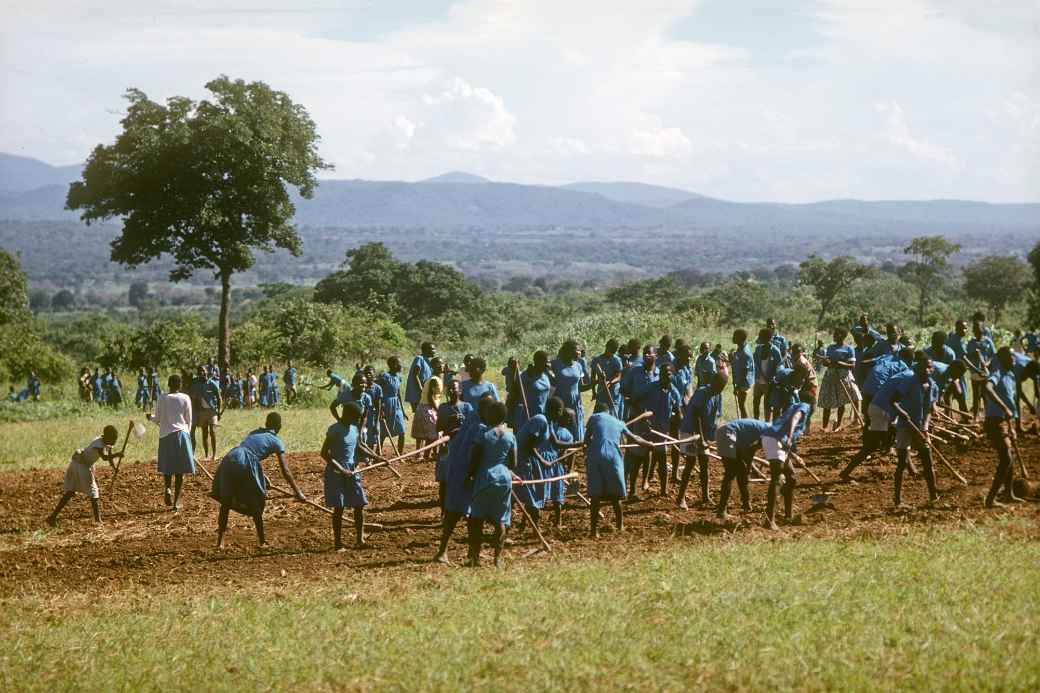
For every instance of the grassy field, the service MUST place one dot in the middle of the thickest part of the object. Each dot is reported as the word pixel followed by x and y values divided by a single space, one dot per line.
pixel 929 610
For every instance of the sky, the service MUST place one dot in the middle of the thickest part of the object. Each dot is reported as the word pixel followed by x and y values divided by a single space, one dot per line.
pixel 785 100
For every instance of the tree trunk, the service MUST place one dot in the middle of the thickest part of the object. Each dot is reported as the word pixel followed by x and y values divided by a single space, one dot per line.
pixel 224 325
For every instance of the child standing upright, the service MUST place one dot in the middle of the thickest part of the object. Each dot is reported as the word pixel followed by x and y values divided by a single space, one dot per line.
pixel 79 475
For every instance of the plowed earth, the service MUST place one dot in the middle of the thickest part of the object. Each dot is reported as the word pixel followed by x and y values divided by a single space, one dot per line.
pixel 143 544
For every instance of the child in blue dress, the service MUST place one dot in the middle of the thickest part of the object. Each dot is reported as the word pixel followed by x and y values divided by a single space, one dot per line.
pixel 420 371
pixel 451 416
pixel 535 384
pixel 605 464
pixel 570 381
pixel 492 459
pixel 343 488
pixel 606 376
pixel 239 482
pixel 838 387
pixel 393 411
pixel 474 389
pixel 143 397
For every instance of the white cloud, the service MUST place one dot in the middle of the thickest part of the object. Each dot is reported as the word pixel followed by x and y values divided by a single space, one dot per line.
pixel 466 117
pixel 660 143
pixel 897 132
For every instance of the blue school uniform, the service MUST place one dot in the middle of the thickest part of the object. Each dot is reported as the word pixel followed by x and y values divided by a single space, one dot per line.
pixel 883 348
pixel 419 372
pixel 1006 386
pixel 782 344
pixel 702 414
pixel 665 357
pixel 142 397
pixel 556 490
pixel 372 427
pixel 262 382
pixel 457 491
pixel 784 390
pixel 473 391
pixel 239 478
pixel 980 352
pixel 535 435
pixel 99 389
pixel 705 369
pixel 448 417
pixel 743 367
pixel 767 359
pixel 1019 362
pixel 944 355
pixel 493 483
pixel 510 378
pixel 535 393
pixel 343 491
pixel 778 430
pixel 393 412
pixel 605 369
pixel 744 434
pixel 662 403
pixel 155 386
pixel 840 352
pixel 347 395
pixel 604 463
pixel 683 378
pixel 881 372
pixel 635 384
pixel 272 389
pixel 290 376
pixel 569 377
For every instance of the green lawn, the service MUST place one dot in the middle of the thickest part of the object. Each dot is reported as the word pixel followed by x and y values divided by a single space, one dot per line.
pixel 930 610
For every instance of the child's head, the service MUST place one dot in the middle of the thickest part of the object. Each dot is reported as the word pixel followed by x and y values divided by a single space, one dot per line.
pixel 494 413
pixel 431 391
pixel 351 413
pixel 273 422
pixel 109 435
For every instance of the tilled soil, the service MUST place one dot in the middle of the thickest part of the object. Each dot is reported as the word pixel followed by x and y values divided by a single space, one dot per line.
pixel 142 543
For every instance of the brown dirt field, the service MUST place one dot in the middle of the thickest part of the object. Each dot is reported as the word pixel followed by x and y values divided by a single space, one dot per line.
pixel 143 544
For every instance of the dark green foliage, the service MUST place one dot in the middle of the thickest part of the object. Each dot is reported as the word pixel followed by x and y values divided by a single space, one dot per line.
pixel 996 280
pixel 928 268
pixel 830 279
pixel 21 346
pixel 415 296
pixel 1034 289
pixel 204 182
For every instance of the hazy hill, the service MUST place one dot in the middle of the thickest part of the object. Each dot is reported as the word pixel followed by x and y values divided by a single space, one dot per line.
pixel 20 173
pixel 456 177
pixel 636 193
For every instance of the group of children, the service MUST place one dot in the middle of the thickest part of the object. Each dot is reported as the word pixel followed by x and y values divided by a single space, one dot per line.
pixel 30 392
pixel 656 412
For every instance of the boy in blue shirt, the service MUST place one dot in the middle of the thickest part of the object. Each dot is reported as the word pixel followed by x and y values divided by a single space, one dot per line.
pixel 912 399
pixel 1000 392
pixel 701 418
pixel 979 352
pixel 777 440
pixel 743 370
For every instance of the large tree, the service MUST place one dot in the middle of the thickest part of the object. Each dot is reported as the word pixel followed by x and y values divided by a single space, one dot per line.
pixel 1034 289
pixel 829 279
pixel 206 182
pixel 929 262
pixel 996 280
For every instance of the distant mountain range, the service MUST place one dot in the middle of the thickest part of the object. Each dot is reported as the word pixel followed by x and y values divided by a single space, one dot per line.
pixel 33 190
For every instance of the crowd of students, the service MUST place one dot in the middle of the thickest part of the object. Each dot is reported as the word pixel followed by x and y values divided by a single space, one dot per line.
pixel 656 419
pixel 31 391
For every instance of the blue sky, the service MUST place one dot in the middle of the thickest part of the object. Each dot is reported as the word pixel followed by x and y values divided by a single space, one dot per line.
pixel 791 100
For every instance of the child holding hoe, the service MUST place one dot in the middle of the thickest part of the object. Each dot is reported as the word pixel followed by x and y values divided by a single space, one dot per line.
pixel 79 475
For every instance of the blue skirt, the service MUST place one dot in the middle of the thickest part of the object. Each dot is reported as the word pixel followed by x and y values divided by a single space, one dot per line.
pixel 175 454
pixel 440 471
pixel 343 491
pixel 393 416
pixel 556 491
pixel 531 495
pixel 492 495
pixel 606 477
pixel 142 397
pixel 239 482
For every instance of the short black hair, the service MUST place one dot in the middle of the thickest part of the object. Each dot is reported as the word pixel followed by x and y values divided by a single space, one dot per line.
pixel 273 421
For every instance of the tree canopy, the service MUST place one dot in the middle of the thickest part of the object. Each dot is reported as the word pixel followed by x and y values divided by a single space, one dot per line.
pixel 829 279
pixel 929 263
pixel 996 280
pixel 205 182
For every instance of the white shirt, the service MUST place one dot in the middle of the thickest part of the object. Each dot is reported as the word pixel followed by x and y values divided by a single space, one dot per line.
pixel 173 413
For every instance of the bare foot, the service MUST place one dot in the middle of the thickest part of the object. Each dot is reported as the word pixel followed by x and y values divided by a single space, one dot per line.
pixel 682 505
pixel 724 517
pixel 441 558
pixel 771 525
pixel 994 503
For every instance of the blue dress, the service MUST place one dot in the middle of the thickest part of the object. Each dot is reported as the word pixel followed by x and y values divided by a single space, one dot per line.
pixel 536 393
pixel 375 395
pixel 605 464
pixel 239 478
pixel 393 412
pixel 702 413
pixel 342 491
pixel 142 396
pixel 605 369
pixel 569 377
pixel 743 368
pixel 533 436
pixel 493 484
pixel 447 413
pixel 473 392
pixel 705 369
pixel 419 372
pixel 458 493
pixel 556 491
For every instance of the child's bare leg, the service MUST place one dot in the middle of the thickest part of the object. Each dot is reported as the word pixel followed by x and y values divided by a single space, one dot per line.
pixel 258 522
pixel 619 515
pixel 52 519
pixel 499 540
pixel 95 507
pixel 178 482
pixel 337 528
pixel 359 527
pixel 222 520
pixel 167 491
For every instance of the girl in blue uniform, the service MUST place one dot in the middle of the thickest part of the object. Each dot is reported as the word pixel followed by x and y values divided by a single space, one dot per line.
pixel 665 404
pixel 701 418
pixel 606 376
pixel 705 368
pixel 356 394
pixel 451 416
pixel 393 412
pixel 420 371
pixel 537 455
pixel 536 382
pixel 736 442
pixel 743 370
pixel 343 488
pixel 838 386
pixel 239 483
pixel 457 492
pixel 605 464
pixel 570 381
pixel 474 389
pixel 682 379
pixel 142 398
pixel 373 430
pixel 492 459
